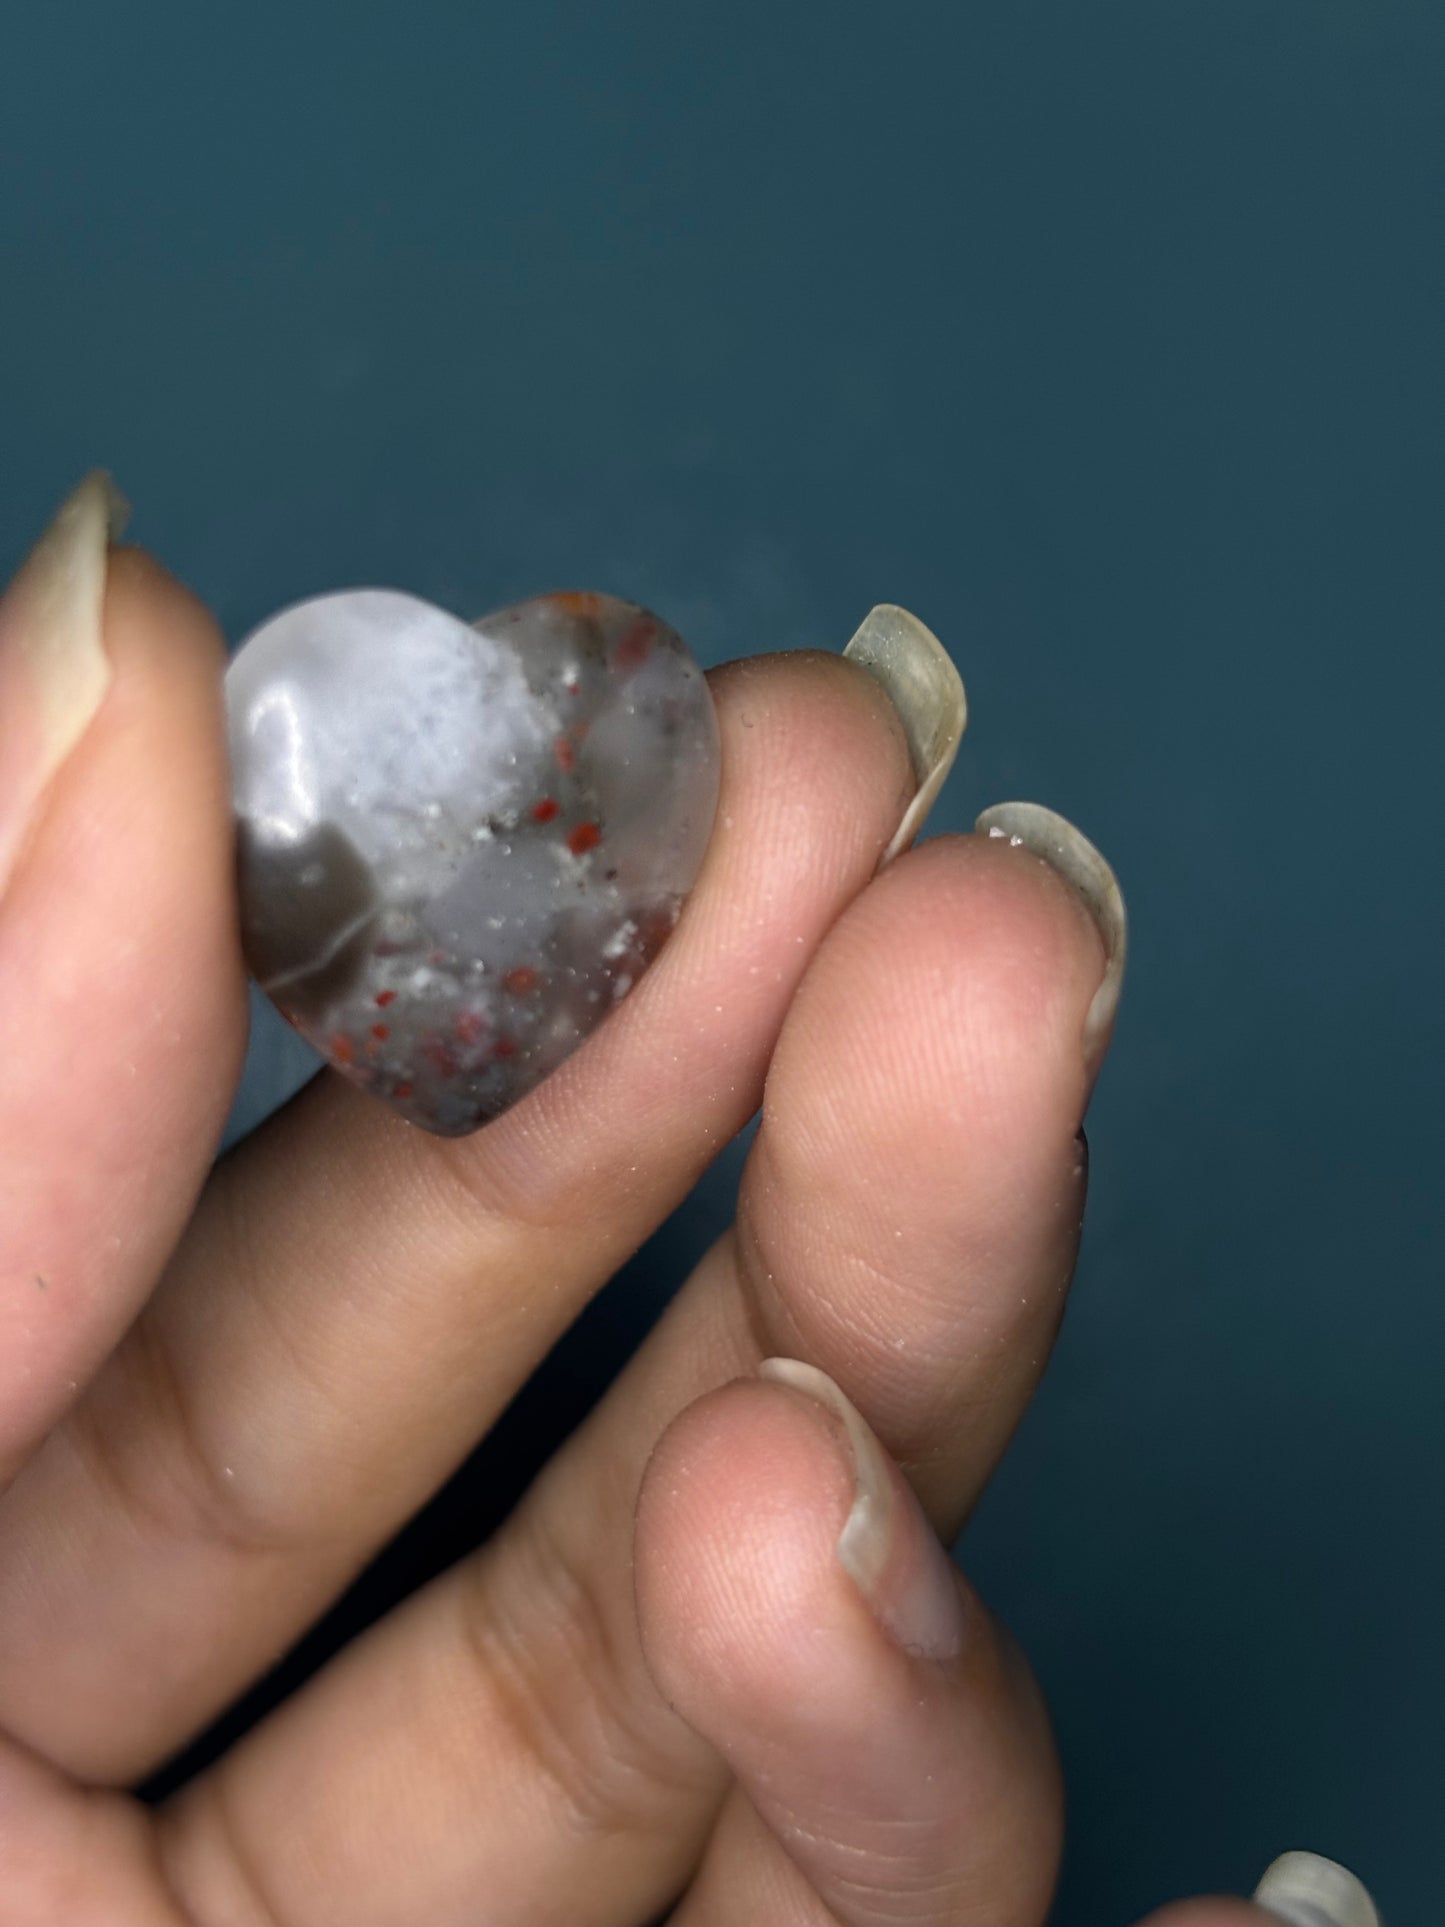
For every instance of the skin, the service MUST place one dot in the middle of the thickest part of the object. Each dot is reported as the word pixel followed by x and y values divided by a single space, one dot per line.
pixel 656 1687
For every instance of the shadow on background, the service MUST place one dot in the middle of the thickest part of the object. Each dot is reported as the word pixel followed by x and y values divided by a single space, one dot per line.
pixel 1107 338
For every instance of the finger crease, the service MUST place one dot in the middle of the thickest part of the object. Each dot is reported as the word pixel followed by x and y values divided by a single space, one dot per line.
pixel 197 1501
pixel 572 1706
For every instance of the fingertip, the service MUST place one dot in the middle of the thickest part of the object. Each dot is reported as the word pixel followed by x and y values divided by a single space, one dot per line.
pixel 920 1133
pixel 146 607
pixel 1061 848
pixel 787 1580
pixel 847 1741
pixel 955 989
pixel 1024 952
pixel 802 730
pixel 738 1517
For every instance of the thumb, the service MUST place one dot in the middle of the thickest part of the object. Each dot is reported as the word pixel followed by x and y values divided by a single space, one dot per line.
pixel 121 991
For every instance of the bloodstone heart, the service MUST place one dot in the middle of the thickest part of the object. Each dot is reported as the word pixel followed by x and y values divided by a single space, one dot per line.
pixel 459 846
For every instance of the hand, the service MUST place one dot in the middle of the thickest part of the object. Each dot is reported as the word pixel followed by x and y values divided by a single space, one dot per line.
pixel 717 1659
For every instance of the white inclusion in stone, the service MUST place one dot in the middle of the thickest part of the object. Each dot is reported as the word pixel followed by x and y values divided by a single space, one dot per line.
pixel 405 703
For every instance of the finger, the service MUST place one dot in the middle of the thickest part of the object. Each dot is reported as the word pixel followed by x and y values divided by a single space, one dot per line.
pixel 522 1671
pixel 355 1301
pixel 923 1261
pixel 800 1613
pixel 121 1008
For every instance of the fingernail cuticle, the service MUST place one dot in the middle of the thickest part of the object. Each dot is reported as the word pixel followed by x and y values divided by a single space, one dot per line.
pixel 1069 851
pixel 1306 1890
pixel 54 671
pixel 919 678
pixel 885 1547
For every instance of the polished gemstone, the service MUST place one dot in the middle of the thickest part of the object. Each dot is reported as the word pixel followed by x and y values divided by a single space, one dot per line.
pixel 460 846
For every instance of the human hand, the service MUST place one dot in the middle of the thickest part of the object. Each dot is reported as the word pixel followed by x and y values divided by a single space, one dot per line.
pixel 717 1659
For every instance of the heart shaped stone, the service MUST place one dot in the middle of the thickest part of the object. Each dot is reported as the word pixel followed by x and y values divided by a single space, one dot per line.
pixel 460 846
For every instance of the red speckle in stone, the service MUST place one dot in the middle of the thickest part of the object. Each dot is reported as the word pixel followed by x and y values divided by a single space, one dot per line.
pixel 635 647
pixel 504 1047
pixel 380 1033
pixel 585 837
pixel 578 732
pixel 385 997
pixel 439 1054
pixel 566 755
pixel 521 980
pixel 470 1026
pixel 544 811
pixel 403 1090
pixel 341 1047
pixel 571 685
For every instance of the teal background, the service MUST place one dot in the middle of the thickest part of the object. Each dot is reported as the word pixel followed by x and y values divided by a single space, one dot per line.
pixel 1108 338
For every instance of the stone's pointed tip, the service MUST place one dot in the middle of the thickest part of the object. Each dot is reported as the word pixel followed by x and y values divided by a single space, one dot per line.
pixel 921 681
pixel 1307 1890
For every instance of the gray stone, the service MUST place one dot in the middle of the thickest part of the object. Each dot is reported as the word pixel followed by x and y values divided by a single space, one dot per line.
pixel 460 846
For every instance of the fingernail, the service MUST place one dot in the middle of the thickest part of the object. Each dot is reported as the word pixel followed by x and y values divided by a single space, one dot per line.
pixel 887 1546
pixel 1309 1891
pixel 920 681
pixel 53 666
pixel 1056 840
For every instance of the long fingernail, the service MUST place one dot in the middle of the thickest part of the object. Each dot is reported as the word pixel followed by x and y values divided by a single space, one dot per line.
pixel 53 666
pixel 921 682
pixel 886 1547
pixel 1309 1891
pixel 1055 839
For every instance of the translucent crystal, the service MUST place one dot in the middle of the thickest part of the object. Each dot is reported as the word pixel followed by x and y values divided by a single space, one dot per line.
pixel 460 846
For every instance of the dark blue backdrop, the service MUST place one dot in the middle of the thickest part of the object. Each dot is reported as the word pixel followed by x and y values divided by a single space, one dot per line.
pixel 1107 337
